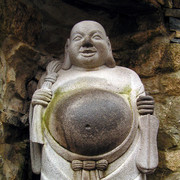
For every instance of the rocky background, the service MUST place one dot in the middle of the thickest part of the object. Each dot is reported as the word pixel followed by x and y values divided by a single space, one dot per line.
pixel 145 37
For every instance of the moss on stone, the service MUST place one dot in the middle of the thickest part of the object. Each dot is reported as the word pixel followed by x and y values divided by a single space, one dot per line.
pixel 59 94
pixel 127 90
pixel 126 94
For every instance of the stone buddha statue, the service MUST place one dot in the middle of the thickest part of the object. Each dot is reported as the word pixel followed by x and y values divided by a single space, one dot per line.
pixel 91 119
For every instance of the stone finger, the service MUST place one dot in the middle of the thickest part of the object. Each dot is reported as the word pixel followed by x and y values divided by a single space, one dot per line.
pixel 43 93
pixel 145 107
pixel 145 111
pixel 40 102
pixel 145 103
pixel 48 91
pixel 43 98
pixel 145 98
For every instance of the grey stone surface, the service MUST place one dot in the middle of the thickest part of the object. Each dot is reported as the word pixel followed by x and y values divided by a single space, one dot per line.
pixel 172 12
pixel 88 120
pixel 175 40
pixel 98 120
pixel 131 35
pixel 174 23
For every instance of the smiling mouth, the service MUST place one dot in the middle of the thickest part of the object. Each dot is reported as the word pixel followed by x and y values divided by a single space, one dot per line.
pixel 88 53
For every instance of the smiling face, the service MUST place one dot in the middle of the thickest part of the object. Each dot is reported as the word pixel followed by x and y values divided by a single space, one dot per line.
pixel 88 46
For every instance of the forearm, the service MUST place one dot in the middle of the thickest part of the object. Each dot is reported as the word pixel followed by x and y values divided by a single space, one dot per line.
pixel 147 157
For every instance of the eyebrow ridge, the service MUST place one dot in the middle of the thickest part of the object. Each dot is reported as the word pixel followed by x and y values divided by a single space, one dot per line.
pixel 93 32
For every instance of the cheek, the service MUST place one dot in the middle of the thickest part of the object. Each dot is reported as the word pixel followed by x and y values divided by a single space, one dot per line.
pixel 73 49
pixel 101 45
pixel 76 44
pixel 102 49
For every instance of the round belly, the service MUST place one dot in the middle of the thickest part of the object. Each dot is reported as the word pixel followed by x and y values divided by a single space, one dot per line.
pixel 90 122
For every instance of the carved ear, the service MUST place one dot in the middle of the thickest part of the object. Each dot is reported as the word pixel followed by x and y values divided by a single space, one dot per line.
pixel 67 62
pixel 110 62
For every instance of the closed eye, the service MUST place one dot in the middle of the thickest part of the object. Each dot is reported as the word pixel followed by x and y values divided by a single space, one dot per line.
pixel 97 37
pixel 77 38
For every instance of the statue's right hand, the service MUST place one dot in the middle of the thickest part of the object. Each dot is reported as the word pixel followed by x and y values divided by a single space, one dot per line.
pixel 41 97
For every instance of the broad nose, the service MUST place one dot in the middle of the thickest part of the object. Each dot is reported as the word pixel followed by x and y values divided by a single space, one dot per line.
pixel 87 42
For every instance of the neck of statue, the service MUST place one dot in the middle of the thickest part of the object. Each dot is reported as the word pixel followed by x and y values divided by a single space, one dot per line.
pixel 88 69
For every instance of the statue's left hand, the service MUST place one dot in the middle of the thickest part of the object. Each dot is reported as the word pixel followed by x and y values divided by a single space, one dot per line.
pixel 42 97
pixel 145 105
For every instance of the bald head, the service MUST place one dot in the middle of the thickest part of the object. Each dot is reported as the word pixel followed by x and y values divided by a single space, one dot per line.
pixel 88 46
pixel 88 26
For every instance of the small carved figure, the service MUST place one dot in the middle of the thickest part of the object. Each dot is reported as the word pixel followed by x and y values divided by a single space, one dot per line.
pixel 91 119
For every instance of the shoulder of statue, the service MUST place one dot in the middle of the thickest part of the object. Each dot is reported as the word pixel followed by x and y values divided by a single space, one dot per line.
pixel 132 77
pixel 126 71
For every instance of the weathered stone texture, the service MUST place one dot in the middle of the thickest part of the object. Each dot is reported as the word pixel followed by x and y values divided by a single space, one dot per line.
pixel 20 20
pixel 34 32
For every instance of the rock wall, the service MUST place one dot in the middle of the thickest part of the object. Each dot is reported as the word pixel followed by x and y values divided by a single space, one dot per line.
pixel 145 37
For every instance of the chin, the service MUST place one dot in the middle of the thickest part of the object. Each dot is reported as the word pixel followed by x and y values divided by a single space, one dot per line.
pixel 90 63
